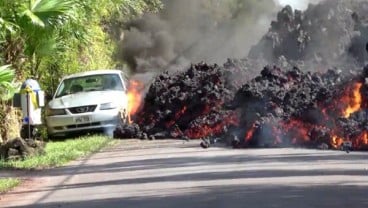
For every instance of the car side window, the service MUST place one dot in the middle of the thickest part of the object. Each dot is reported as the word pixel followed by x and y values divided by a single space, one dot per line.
pixel 112 82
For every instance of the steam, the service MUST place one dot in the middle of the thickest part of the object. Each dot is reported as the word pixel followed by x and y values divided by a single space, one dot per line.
pixel 192 31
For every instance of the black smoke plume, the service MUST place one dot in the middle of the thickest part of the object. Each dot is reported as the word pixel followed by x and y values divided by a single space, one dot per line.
pixel 192 31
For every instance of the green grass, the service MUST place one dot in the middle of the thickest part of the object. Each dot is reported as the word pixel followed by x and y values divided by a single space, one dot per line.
pixel 8 183
pixel 60 153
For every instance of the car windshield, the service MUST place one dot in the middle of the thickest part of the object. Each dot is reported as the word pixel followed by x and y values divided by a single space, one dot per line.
pixel 100 82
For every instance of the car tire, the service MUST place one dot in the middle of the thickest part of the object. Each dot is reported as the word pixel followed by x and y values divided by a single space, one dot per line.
pixel 51 137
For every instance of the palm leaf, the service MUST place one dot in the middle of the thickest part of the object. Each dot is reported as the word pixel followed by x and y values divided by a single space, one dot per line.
pixel 6 74
pixel 52 6
pixel 8 90
pixel 34 18
pixel 46 47
pixel 7 87
pixel 43 12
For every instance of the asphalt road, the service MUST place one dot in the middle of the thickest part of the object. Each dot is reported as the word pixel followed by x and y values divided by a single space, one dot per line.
pixel 178 174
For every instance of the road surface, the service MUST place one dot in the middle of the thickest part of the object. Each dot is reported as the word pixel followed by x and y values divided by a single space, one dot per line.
pixel 179 174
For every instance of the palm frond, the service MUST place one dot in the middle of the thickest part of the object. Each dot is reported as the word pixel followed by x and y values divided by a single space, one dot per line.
pixel 7 26
pixel 36 20
pixel 6 74
pixel 52 6
pixel 7 86
pixel 48 12
pixel 46 47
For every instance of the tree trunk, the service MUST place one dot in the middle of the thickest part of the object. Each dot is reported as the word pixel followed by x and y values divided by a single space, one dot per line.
pixel 19 148
pixel 10 128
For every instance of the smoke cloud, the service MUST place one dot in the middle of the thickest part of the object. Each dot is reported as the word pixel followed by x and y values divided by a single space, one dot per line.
pixel 192 31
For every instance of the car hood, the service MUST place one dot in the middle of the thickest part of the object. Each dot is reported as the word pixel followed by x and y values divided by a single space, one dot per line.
pixel 88 98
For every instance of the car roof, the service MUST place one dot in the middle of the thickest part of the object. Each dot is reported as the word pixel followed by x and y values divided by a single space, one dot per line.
pixel 93 72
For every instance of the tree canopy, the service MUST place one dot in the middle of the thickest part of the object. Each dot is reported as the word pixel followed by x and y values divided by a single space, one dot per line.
pixel 53 37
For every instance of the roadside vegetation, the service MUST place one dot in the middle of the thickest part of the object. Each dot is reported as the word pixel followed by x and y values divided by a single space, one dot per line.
pixel 48 39
pixel 7 184
pixel 59 153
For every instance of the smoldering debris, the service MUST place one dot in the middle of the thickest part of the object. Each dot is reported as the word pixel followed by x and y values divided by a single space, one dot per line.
pixel 327 34
pixel 277 108
pixel 289 107
pixel 187 104
pixel 312 93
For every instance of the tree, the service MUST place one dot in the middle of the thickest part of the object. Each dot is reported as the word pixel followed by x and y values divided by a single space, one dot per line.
pixel 39 22
pixel 7 89
pixel 48 39
pixel 29 30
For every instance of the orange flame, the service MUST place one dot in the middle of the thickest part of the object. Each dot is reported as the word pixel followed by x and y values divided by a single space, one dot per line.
pixel 337 141
pixel 363 139
pixel 250 133
pixel 134 97
pixel 354 101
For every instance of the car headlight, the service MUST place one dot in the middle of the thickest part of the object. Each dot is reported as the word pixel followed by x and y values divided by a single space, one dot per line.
pixel 108 106
pixel 55 112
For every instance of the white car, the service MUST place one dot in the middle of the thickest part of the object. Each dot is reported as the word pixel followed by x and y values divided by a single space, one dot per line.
pixel 93 100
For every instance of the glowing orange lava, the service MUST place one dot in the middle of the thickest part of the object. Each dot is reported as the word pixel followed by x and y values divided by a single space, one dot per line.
pixel 337 141
pixel 250 133
pixel 298 130
pixel 135 89
pixel 176 117
pixel 354 100
pixel 363 139
pixel 212 129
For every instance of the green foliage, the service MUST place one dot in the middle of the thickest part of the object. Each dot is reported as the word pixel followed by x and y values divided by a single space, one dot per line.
pixel 40 21
pixel 60 153
pixel 65 36
pixel 6 75
pixel 85 43
pixel 48 39
pixel 45 12
pixel 7 87
pixel 128 7
pixel 7 184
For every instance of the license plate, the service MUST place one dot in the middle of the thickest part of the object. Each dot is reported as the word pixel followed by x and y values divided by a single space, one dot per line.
pixel 82 119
